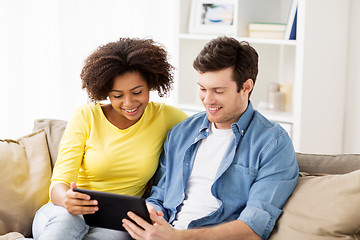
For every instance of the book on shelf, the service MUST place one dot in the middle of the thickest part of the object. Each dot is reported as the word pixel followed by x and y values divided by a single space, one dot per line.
pixel 290 32
pixel 267 30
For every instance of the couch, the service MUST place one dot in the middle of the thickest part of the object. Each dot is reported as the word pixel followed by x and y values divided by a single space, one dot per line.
pixel 325 204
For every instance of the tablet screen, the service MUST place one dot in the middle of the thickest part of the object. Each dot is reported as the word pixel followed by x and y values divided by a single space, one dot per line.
pixel 113 208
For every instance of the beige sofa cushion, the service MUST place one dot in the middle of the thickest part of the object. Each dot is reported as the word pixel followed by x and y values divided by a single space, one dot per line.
pixel 25 172
pixel 322 207
pixel 54 130
pixel 329 164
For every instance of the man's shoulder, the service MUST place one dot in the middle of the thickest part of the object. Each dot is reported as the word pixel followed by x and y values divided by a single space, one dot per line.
pixel 266 126
pixel 268 137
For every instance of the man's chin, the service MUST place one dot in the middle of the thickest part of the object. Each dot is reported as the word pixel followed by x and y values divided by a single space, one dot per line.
pixel 213 119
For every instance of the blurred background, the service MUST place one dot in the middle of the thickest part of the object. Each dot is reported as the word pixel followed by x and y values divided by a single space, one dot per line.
pixel 43 44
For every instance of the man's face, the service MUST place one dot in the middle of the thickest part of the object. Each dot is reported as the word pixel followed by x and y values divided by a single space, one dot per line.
pixel 218 92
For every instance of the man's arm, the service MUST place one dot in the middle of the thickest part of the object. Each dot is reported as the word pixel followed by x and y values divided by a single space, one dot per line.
pixel 275 180
pixel 162 230
pixel 232 230
pixel 157 193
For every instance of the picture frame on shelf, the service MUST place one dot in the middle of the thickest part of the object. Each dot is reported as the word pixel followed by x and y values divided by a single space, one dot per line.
pixel 214 17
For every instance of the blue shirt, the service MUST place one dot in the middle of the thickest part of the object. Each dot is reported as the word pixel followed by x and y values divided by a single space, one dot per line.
pixel 255 178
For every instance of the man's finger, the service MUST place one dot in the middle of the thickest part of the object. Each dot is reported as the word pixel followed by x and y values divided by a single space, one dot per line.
pixel 134 231
pixel 150 207
pixel 157 217
pixel 141 222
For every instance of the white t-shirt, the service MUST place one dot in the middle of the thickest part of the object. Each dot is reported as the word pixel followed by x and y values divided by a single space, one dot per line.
pixel 199 201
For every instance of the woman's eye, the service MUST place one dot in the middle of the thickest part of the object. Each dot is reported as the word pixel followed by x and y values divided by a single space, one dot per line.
pixel 118 96
pixel 137 93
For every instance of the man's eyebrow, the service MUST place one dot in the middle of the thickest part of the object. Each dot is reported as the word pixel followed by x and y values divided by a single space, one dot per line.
pixel 134 88
pixel 213 87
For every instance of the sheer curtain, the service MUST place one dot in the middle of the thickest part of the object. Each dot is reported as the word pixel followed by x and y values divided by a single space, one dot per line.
pixel 43 44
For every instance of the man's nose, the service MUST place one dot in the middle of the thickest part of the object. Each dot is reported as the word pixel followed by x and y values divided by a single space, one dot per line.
pixel 208 98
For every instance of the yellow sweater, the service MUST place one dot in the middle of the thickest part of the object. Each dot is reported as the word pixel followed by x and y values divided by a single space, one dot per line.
pixel 98 156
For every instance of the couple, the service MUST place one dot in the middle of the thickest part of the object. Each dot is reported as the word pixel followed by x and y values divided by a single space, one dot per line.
pixel 223 174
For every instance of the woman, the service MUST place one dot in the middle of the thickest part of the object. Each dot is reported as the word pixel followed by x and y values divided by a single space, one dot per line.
pixel 110 147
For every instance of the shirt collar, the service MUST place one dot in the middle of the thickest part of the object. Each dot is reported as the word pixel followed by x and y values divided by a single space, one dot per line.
pixel 244 121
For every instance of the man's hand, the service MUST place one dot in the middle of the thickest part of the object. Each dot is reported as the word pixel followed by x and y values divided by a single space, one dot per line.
pixel 159 230
pixel 79 203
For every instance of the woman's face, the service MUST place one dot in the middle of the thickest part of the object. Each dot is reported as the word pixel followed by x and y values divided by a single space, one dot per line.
pixel 129 96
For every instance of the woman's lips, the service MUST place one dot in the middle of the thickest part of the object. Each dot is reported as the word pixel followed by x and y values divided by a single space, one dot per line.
pixel 131 111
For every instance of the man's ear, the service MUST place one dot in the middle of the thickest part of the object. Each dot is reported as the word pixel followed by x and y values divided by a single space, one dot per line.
pixel 248 86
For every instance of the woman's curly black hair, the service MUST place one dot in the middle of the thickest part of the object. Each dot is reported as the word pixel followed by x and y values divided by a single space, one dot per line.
pixel 126 55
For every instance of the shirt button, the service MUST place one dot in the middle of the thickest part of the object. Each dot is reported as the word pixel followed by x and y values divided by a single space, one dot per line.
pixel 196 139
pixel 207 130
pixel 183 195
pixel 242 131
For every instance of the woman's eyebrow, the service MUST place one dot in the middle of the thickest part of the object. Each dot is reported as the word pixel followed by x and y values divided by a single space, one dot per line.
pixel 134 88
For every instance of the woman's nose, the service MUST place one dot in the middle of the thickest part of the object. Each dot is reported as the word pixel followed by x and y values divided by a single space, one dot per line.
pixel 128 100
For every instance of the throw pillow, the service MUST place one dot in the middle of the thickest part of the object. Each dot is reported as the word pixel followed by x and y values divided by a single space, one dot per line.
pixel 322 207
pixel 54 130
pixel 25 172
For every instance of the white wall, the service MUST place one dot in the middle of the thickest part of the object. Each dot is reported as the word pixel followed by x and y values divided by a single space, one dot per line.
pixel 352 107
pixel 43 44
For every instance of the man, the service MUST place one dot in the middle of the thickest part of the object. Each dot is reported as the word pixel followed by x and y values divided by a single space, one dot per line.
pixel 226 173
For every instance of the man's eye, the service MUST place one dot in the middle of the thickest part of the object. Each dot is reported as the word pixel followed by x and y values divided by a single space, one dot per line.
pixel 219 92
pixel 118 96
pixel 137 93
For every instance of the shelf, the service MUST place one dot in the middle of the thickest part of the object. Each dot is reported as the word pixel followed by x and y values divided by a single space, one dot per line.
pixel 208 37
pixel 190 109
pixel 315 74
pixel 278 116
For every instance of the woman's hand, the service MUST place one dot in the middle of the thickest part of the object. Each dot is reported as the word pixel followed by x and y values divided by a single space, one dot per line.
pixel 79 203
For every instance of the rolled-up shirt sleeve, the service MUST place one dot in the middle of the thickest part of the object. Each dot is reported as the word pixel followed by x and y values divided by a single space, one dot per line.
pixel 275 181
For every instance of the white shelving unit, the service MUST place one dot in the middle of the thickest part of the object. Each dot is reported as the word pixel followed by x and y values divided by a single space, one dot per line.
pixel 315 65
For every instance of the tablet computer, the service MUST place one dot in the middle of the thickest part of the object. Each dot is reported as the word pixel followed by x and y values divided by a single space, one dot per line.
pixel 113 209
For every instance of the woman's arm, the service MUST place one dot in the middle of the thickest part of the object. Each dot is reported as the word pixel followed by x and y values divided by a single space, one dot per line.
pixel 71 152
